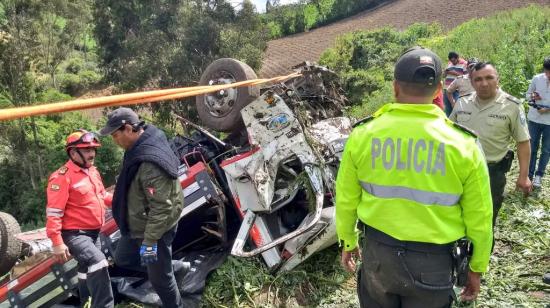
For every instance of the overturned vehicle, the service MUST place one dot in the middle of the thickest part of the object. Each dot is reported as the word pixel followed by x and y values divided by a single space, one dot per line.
pixel 267 189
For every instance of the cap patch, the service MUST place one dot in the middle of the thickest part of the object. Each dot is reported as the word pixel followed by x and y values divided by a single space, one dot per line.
pixel 426 60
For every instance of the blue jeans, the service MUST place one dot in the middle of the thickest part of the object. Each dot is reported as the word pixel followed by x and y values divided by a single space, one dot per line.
pixel 448 107
pixel 538 132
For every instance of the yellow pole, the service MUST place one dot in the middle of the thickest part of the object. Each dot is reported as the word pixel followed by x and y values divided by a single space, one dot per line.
pixel 128 99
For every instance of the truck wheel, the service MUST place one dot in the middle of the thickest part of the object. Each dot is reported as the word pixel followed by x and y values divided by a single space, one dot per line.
pixel 10 247
pixel 221 110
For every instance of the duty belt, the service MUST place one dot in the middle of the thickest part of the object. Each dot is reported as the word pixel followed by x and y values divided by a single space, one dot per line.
pixel 381 237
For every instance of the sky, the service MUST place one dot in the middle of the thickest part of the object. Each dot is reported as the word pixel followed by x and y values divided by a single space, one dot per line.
pixel 260 4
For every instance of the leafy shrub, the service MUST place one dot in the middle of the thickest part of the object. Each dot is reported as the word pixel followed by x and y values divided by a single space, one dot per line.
pixel 515 41
pixel 296 18
pixel 75 84
pixel 364 59
pixel 17 194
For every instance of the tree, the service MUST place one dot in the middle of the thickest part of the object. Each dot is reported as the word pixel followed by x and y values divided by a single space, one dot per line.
pixel 36 37
pixel 168 43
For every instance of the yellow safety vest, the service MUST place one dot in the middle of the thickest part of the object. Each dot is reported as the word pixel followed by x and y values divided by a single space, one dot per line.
pixel 415 175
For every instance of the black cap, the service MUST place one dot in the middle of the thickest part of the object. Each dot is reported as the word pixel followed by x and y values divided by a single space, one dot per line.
pixel 117 118
pixel 418 65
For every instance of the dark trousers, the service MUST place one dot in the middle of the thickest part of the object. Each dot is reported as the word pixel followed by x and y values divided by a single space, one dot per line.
pixel 497 178
pixel 390 268
pixel 93 272
pixel 160 273
pixel 538 132
pixel 447 103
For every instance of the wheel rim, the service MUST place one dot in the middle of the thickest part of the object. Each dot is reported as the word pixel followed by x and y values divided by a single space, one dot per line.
pixel 221 103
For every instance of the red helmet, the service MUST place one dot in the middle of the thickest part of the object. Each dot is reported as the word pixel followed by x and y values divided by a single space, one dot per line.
pixel 82 139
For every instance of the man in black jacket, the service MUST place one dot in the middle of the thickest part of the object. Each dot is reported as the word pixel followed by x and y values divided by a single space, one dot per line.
pixel 147 201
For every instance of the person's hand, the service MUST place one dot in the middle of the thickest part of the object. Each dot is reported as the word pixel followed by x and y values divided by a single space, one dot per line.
pixel 536 96
pixel 543 110
pixel 61 253
pixel 524 184
pixel 349 257
pixel 471 289
pixel 148 254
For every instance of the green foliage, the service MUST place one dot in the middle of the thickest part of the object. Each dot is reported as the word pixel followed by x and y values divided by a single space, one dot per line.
pixel 515 41
pixel 364 60
pixel 169 43
pixel 18 195
pixel 247 283
pixel 52 95
pixel 295 18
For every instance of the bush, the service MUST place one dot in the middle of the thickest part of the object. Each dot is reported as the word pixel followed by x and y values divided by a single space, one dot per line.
pixel 17 195
pixel 52 95
pixel 296 18
pixel 364 59
pixel 75 84
pixel 515 41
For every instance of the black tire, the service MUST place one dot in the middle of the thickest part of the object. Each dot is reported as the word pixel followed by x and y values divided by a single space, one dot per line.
pixel 10 247
pixel 221 112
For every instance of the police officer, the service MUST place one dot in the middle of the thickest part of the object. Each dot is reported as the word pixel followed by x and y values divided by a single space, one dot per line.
pixel 74 215
pixel 147 202
pixel 497 117
pixel 414 191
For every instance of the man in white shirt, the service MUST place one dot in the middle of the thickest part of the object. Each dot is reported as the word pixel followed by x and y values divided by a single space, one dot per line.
pixel 539 123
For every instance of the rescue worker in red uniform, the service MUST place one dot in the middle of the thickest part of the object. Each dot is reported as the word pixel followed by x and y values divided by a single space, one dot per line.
pixel 74 215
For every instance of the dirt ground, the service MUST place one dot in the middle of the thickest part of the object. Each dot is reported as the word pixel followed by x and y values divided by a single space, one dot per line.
pixel 283 53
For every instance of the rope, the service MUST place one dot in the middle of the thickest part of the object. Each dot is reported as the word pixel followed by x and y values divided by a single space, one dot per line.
pixel 129 99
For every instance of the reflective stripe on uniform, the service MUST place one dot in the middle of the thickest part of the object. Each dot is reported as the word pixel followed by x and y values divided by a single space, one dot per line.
pixel 53 212
pixel 416 195
pixel 99 265
pixel 82 276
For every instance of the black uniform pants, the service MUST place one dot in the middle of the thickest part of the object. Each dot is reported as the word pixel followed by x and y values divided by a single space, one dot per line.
pixel 160 273
pixel 404 274
pixel 497 177
pixel 93 272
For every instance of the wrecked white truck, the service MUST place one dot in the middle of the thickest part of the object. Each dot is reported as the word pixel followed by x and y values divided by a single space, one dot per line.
pixel 267 189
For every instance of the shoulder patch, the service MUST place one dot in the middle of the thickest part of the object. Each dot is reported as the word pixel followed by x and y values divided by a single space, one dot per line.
pixel 464 129
pixel 363 121
pixel 513 99
pixel 62 170
pixel 54 187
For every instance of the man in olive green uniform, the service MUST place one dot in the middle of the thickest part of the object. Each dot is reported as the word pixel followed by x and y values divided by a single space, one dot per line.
pixel 415 192
pixel 497 117
pixel 147 202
